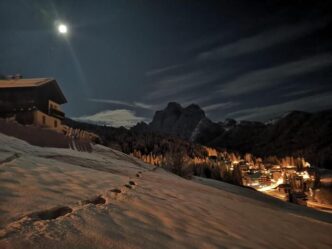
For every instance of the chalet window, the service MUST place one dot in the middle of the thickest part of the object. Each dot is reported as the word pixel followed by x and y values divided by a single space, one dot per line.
pixel 44 120
pixel 55 123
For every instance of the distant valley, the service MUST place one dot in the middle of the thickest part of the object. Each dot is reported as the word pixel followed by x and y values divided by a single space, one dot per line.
pixel 298 134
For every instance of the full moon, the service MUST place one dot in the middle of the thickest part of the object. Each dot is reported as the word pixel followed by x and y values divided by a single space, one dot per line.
pixel 62 28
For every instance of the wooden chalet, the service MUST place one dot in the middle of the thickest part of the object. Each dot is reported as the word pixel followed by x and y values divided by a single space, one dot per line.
pixel 32 101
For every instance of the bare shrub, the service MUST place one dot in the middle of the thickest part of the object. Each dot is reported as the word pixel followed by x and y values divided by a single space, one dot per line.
pixel 176 161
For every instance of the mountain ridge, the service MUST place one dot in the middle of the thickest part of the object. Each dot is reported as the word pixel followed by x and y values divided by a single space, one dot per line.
pixel 297 133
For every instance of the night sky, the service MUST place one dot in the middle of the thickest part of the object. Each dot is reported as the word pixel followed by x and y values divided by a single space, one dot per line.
pixel 123 60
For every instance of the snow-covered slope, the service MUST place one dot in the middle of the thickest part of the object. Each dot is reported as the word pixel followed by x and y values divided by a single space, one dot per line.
pixel 59 198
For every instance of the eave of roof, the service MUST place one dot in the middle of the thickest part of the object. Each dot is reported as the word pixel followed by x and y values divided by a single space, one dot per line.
pixel 18 83
pixel 32 83
pixel 64 100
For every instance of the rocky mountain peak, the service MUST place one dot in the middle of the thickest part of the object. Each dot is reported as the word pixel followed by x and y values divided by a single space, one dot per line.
pixel 173 106
pixel 176 120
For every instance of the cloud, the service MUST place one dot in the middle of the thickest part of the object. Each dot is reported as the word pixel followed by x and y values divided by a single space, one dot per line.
pixel 110 101
pixel 273 76
pixel 219 106
pixel 298 92
pixel 144 106
pixel 261 41
pixel 311 103
pixel 114 118
pixel 123 103
pixel 177 84
pixel 162 70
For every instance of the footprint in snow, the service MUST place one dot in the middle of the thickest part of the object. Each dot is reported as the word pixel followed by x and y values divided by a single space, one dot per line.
pixel 50 214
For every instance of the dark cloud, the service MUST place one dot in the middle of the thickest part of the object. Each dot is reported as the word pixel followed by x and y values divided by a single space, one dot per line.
pixel 271 77
pixel 219 106
pixel 123 103
pixel 262 40
pixel 262 113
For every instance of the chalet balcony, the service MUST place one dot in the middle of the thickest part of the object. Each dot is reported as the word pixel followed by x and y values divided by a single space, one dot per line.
pixel 56 113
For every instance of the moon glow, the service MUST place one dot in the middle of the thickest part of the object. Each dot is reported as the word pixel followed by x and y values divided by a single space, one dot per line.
pixel 62 28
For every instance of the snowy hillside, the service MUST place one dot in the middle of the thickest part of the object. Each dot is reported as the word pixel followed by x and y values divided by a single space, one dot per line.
pixel 60 198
